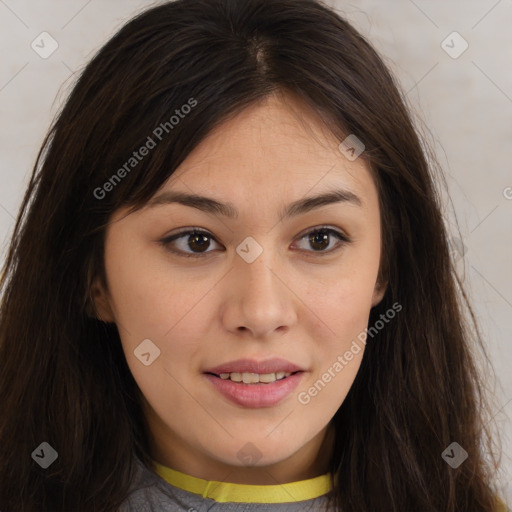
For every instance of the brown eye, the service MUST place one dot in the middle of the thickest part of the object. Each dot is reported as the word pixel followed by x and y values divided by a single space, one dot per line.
pixel 319 240
pixel 198 241
pixel 195 243
pixel 191 243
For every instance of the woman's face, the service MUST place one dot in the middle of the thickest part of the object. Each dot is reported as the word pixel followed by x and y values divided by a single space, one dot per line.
pixel 255 284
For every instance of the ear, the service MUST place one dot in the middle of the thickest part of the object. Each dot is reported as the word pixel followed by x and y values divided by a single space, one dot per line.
pixel 100 307
pixel 379 292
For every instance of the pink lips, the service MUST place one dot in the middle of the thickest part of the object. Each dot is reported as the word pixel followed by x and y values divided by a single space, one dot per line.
pixel 251 366
pixel 255 395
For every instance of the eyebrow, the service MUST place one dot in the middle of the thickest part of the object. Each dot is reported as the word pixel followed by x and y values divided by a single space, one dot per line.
pixel 212 206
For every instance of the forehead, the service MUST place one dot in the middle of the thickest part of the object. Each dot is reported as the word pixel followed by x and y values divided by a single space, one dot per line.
pixel 279 145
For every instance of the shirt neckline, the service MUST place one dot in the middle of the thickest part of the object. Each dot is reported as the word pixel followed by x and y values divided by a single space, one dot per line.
pixel 223 492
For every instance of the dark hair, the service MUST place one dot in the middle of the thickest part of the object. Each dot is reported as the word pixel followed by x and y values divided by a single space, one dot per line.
pixel 64 377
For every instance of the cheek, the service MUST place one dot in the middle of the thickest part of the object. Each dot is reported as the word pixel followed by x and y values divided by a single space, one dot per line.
pixel 341 304
pixel 152 300
pixel 342 299
pixel 148 295
pixel 342 312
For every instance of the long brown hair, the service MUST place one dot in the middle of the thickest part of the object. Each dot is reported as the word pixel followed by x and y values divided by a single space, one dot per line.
pixel 64 379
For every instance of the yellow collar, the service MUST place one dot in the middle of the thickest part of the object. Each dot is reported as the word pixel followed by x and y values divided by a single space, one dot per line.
pixel 243 493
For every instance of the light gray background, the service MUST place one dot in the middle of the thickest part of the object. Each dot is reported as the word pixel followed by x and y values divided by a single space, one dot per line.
pixel 465 102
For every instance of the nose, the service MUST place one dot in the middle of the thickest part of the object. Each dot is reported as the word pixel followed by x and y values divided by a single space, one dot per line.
pixel 258 298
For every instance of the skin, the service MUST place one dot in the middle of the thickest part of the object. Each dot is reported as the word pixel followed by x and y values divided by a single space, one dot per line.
pixel 292 302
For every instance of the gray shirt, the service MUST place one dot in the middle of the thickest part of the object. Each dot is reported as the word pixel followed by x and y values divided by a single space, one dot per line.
pixel 151 493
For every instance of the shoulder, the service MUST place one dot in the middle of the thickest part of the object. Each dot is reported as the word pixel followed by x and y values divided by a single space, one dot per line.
pixel 149 493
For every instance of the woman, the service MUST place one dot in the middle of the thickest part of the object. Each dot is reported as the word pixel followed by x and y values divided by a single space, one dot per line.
pixel 229 283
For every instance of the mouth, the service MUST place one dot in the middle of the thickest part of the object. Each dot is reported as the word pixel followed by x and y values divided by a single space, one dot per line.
pixel 255 390
pixel 254 378
pixel 255 383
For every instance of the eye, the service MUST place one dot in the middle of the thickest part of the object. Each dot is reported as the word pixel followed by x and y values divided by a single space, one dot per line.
pixel 196 242
pixel 321 238
pixel 196 239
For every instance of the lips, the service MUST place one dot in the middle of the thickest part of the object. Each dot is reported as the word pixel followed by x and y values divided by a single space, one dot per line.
pixel 274 365
pixel 237 381
pixel 255 395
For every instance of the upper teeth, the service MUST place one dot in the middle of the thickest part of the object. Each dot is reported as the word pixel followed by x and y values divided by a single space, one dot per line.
pixel 253 378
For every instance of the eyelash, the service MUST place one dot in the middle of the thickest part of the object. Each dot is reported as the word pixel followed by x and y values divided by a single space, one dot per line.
pixel 166 242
